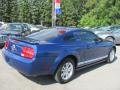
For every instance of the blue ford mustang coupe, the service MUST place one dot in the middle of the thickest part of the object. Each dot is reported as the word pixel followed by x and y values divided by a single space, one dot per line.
pixel 58 52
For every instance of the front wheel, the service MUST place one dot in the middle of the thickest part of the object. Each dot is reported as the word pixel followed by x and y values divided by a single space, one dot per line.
pixel 65 71
pixel 111 56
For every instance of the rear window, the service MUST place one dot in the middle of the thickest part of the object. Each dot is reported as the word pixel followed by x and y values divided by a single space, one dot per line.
pixel 47 35
pixel 14 27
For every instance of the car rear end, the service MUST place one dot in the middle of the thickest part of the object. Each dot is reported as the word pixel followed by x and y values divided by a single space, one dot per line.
pixel 20 55
pixel 23 55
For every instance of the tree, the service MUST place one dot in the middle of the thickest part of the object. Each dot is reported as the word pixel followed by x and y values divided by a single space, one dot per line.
pixel 74 12
pixel 104 13
pixel 1 9
pixel 8 10
pixel 24 11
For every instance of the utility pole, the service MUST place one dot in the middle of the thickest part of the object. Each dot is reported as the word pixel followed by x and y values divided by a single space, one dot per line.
pixel 53 14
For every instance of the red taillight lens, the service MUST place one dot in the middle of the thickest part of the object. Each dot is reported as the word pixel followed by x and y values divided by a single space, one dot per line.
pixel 6 44
pixel 27 52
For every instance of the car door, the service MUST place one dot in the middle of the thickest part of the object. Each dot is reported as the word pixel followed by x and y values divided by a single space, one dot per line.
pixel 96 49
pixel 82 39
pixel 71 41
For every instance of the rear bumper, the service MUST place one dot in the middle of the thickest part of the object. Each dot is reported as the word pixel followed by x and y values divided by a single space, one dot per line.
pixel 26 67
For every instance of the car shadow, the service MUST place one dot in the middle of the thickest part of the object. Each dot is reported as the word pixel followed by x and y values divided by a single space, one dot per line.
pixel 117 44
pixel 48 79
pixel 43 80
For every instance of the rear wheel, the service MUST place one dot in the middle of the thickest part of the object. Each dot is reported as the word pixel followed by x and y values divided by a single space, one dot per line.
pixel 111 56
pixel 65 71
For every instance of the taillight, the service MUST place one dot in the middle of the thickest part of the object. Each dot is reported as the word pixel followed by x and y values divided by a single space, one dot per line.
pixel 27 52
pixel 6 44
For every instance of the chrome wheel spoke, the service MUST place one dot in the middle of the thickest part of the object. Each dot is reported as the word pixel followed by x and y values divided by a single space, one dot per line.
pixel 67 71
pixel 112 55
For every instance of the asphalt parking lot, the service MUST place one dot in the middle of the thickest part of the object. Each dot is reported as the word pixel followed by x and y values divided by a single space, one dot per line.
pixel 99 77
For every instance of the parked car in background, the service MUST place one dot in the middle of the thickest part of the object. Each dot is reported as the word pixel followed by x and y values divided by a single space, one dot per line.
pixel 104 28
pixel 32 27
pixel 58 52
pixel 1 23
pixel 12 30
pixel 111 33
pixel 41 27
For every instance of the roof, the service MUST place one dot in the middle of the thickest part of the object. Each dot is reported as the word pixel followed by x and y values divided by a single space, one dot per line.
pixel 67 29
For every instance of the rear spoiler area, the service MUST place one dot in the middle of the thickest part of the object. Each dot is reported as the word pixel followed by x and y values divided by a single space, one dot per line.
pixel 25 40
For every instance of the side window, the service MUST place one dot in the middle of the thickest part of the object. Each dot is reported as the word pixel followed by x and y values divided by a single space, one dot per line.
pixel 85 36
pixel 69 37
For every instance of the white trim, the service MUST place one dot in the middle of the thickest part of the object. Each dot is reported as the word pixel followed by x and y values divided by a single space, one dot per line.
pixel 92 60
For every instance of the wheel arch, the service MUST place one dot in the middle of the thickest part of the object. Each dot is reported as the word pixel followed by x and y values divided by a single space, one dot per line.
pixel 72 57
pixel 68 56
pixel 110 37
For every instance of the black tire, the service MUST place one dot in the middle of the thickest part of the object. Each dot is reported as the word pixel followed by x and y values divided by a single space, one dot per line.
pixel 111 56
pixel 110 39
pixel 58 74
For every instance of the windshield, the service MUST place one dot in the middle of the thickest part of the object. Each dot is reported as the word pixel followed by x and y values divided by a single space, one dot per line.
pixel 44 35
